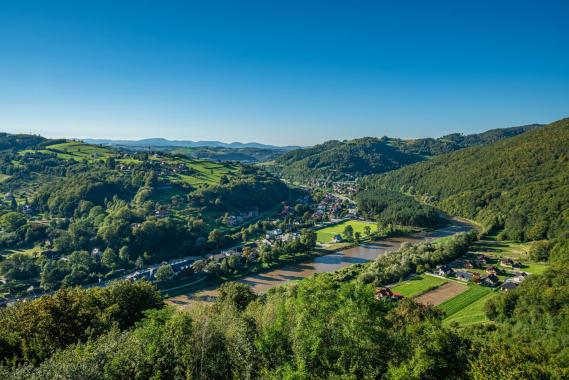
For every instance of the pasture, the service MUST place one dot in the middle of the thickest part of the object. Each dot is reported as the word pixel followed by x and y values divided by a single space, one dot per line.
pixel 418 285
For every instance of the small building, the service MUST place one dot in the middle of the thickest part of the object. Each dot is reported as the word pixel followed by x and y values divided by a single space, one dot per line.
pixel 468 264
pixel 482 260
pixel 444 270
pixel 492 270
pixel 507 286
pixel 507 263
pixel 386 294
pixel 491 280
pixel 464 276
pixel 9 196
pixel 519 278
pixel 337 238
pixel 161 213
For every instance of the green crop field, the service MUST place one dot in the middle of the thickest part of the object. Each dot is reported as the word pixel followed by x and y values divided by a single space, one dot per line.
pixel 418 285
pixel 471 314
pixel 455 304
pixel 204 172
pixel 326 234
pixel 75 150
pixel 79 151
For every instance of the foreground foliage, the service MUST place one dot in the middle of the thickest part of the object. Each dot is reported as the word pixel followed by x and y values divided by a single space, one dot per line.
pixel 329 327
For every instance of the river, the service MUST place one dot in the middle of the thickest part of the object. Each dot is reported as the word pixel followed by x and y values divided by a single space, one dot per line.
pixel 327 263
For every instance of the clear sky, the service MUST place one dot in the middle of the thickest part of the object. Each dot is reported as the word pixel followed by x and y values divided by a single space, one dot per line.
pixel 280 72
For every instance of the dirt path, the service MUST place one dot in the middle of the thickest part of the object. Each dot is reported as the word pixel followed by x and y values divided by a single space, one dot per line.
pixel 441 294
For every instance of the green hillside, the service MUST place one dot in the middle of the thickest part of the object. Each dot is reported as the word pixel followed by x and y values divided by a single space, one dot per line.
pixel 343 160
pixel 347 160
pixel 519 184
pixel 456 141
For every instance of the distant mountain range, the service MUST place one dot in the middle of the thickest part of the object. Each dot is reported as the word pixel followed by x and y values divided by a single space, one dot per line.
pixel 161 142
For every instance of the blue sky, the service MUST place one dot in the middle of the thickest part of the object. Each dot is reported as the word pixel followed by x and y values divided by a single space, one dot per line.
pixel 286 72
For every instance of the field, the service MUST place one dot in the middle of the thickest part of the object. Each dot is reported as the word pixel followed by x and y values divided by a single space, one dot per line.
pixel 441 294
pixel 418 285
pixel 204 172
pixel 471 314
pixel 326 234
pixel 455 304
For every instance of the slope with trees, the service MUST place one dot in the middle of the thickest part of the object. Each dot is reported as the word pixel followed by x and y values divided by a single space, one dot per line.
pixel 520 185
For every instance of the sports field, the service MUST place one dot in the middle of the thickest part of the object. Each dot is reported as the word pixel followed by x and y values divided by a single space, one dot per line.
pixel 326 234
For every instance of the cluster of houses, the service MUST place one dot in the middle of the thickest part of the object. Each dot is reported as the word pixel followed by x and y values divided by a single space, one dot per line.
pixel 240 218
pixel 249 250
pixel 347 188
pixel 489 276
pixel 331 207
pixel 277 235
pixel 179 266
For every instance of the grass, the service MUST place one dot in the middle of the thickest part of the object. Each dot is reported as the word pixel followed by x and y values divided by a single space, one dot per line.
pixel 471 314
pixel 28 251
pixel 418 285
pixel 75 150
pixel 534 268
pixel 203 172
pixel 461 301
pixel 326 234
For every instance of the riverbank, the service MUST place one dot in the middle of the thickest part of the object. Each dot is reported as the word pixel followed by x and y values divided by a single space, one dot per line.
pixel 261 282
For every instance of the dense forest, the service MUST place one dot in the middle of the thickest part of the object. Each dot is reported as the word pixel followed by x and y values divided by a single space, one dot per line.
pixel 520 185
pixel 327 326
pixel 348 160
pixel 390 207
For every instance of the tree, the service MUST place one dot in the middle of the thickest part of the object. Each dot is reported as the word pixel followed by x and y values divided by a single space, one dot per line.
pixel 19 266
pixel 11 221
pixel 139 263
pixel 215 237
pixel 367 230
pixel 110 258
pixel 235 294
pixel 165 273
pixel 358 236
pixel 348 232
pixel 124 255
pixel 308 238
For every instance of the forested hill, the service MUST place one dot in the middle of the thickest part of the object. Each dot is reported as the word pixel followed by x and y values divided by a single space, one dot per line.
pixel 347 160
pixel 520 184
pixel 456 141
pixel 344 160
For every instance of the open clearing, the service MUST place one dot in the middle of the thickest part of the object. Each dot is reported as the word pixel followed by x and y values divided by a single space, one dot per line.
pixel 441 294
pixel 417 285
pixel 325 235
pixel 471 314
